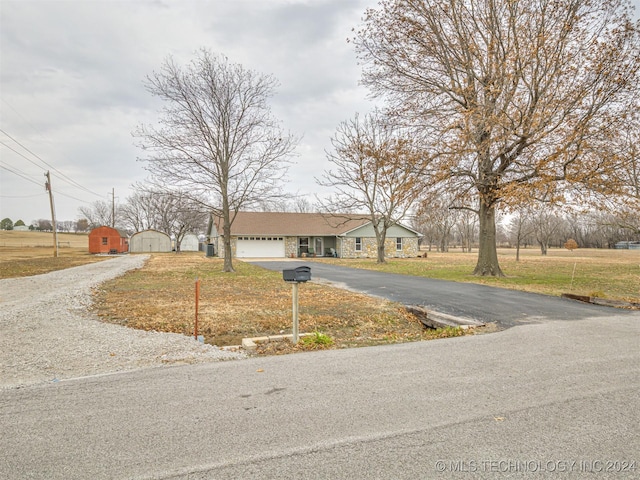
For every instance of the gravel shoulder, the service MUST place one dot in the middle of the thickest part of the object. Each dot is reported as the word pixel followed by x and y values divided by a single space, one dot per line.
pixel 47 333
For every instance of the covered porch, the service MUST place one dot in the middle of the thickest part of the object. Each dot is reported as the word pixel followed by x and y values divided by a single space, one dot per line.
pixel 320 246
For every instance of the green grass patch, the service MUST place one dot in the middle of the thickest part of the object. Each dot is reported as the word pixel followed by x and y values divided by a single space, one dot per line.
pixel 317 341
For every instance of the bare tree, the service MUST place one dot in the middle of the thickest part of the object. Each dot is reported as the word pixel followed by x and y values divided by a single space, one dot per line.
pixel 627 210
pixel 297 203
pixel 377 171
pixel 547 224
pixel 217 140
pixel 82 225
pixel 521 227
pixel 302 205
pixel 139 211
pixel 627 148
pixel 521 98
pixel 438 217
pixel 99 213
pixel 178 214
pixel 43 225
pixel 65 225
pixel 615 227
pixel 467 228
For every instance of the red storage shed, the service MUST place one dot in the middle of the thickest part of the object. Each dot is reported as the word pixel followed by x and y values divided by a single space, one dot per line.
pixel 108 240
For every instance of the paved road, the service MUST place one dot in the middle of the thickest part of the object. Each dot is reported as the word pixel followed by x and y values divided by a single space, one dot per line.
pixel 548 400
pixel 480 302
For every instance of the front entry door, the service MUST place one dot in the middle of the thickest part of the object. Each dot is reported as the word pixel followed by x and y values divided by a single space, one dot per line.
pixel 318 247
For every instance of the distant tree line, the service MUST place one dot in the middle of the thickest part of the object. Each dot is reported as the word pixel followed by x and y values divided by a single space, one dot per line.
pixel 43 225
pixel 443 227
pixel 170 212
pixel 7 224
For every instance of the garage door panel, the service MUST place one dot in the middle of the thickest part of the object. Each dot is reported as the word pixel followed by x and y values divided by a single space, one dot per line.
pixel 260 248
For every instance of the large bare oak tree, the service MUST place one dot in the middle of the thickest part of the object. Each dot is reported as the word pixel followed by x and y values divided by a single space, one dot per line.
pixel 375 170
pixel 522 98
pixel 217 139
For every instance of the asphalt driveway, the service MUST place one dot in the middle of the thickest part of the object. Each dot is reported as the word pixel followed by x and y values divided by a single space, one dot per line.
pixel 487 304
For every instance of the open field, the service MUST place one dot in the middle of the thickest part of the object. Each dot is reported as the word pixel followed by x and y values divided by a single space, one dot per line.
pixel 13 238
pixel 31 253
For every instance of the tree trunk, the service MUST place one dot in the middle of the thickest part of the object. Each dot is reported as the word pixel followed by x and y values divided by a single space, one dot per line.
pixel 543 248
pixel 381 258
pixel 487 252
pixel 226 229
pixel 444 243
pixel 380 239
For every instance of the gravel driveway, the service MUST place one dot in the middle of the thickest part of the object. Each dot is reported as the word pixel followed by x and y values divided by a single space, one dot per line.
pixel 47 333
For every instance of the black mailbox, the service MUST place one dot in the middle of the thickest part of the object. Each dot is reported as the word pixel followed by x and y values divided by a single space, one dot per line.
pixel 300 274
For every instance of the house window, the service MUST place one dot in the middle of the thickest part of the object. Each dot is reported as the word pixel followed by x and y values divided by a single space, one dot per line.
pixel 303 244
pixel 358 244
pixel 399 243
pixel 105 240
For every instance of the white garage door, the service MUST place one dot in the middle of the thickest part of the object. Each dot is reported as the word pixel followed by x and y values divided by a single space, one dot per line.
pixel 252 247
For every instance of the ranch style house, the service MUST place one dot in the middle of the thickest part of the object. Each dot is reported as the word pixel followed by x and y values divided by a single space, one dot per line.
pixel 290 235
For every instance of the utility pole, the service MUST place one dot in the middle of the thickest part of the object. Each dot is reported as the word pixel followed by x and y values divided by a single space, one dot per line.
pixel 47 186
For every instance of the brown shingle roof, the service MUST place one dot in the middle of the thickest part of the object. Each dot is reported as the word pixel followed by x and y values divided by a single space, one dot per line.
pixel 292 224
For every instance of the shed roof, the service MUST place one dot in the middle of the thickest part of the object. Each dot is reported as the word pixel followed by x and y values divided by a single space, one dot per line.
pixel 105 229
pixel 150 231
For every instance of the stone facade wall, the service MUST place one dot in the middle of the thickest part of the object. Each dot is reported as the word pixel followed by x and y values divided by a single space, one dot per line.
pixel 370 248
pixel 220 247
pixel 410 248
pixel 290 247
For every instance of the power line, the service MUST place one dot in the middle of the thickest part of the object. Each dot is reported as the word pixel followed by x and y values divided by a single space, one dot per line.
pixel 20 174
pixel 58 192
pixel 64 177
pixel 18 171
pixel 23 156
pixel 22 196
pixel 24 119
pixel 26 177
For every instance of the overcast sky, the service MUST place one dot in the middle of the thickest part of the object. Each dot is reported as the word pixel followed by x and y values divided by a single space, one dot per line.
pixel 72 85
pixel 72 89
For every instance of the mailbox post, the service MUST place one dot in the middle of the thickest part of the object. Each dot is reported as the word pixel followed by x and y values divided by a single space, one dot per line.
pixel 295 277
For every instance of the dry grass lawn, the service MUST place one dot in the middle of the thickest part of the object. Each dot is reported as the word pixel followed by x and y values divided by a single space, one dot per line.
pixel 256 302
pixel 31 253
pixel 251 302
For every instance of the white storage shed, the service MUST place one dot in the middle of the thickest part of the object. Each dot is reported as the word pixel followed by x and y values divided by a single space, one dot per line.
pixel 190 243
pixel 149 241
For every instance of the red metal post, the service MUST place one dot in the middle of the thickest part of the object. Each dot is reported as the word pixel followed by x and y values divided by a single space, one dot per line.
pixel 195 330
